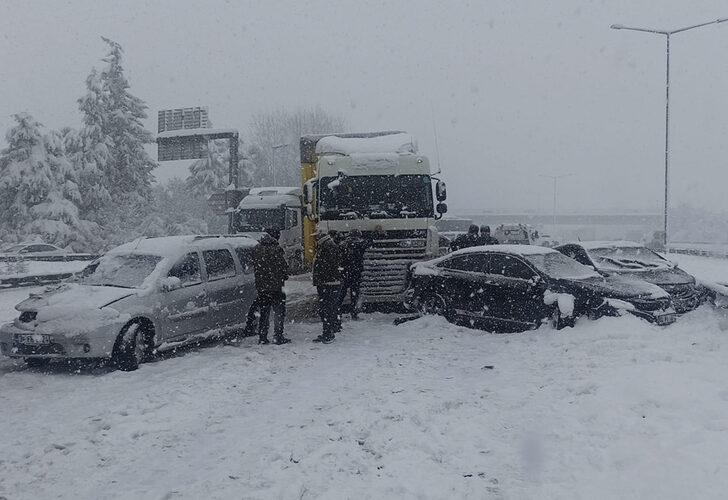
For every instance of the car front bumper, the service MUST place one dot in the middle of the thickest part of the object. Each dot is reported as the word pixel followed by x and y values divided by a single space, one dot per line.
pixel 18 342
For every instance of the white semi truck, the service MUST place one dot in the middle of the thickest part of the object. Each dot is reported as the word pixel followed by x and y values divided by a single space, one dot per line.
pixel 277 208
pixel 380 184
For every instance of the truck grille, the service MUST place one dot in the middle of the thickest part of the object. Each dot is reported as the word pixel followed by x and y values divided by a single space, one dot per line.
pixel 385 266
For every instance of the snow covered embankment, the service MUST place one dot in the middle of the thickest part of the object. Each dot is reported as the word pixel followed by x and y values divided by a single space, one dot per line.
pixel 614 408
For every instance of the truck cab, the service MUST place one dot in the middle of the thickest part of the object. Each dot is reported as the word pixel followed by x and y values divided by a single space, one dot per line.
pixel 380 184
pixel 276 208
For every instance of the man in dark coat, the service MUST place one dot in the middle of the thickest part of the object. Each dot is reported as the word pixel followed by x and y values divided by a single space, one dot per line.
pixel 271 272
pixel 485 237
pixel 327 280
pixel 471 239
pixel 352 252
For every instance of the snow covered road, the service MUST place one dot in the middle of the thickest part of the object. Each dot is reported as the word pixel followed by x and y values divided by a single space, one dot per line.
pixel 615 408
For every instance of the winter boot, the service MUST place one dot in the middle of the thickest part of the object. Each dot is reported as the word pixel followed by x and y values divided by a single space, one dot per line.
pixel 324 339
pixel 280 340
pixel 263 340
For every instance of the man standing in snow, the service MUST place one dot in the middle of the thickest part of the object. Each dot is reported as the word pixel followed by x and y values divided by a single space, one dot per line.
pixel 327 280
pixel 352 253
pixel 271 272
pixel 471 239
pixel 485 237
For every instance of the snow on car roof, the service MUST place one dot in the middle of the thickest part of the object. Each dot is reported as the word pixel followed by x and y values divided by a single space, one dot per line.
pixel 522 250
pixel 393 143
pixel 592 245
pixel 173 246
pixel 514 249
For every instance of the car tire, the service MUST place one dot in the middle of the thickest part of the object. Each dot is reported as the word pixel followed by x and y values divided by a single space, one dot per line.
pixel 37 362
pixel 435 304
pixel 131 347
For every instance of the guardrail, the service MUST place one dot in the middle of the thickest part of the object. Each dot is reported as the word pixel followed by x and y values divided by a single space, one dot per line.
pixel 700 249
pixel 43 279
pixel 47 258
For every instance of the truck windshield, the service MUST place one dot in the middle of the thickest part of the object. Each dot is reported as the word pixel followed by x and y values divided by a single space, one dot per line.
pixel 260 219
pixel 376 196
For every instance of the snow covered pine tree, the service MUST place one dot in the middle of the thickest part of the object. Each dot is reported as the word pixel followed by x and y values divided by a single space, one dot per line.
pixel 38 187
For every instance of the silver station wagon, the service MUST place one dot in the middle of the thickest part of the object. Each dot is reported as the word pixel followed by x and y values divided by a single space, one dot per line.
pixel 141 297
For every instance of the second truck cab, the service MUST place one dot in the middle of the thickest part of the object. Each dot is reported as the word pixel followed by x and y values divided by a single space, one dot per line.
pixel 277 208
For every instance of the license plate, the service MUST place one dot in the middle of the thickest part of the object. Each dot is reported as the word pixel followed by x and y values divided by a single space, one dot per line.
pixel 666 319
pixel 33 339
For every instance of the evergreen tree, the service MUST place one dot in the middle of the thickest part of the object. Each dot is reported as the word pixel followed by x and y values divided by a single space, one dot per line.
pixel 89 149
pixel 38 187
pixel 129 167
pixel 25 178
pixel 211 173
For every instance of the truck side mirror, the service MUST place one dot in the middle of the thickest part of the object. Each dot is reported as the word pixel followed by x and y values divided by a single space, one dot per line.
pixel 442 208
pixel 441 192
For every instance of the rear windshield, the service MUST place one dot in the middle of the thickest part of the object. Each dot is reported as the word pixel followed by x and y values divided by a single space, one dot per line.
pixel 559 266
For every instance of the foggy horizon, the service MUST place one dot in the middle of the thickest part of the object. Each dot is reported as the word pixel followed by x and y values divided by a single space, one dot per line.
pixel 517 90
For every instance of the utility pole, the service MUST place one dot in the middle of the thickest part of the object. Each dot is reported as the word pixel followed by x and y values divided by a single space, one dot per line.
pixel 667 35
pixel 555 178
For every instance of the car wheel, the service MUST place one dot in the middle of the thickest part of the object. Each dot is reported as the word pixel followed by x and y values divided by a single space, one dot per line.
pixel 131 347
pixel 435 304
pixel 37 362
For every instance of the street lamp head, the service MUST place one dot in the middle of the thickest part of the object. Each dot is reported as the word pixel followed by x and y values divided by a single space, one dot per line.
pixel 617 26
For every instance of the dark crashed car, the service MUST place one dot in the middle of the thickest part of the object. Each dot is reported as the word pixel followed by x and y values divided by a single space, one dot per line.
pixel 634 261
pixel 508 288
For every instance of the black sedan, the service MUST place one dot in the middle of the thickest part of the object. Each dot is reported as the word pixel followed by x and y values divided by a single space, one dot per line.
pixel 634 261
pixel 506 288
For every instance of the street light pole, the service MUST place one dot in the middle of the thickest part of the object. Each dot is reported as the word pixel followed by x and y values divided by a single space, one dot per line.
pixel 667 35
pixel 555 178
pixel 273 160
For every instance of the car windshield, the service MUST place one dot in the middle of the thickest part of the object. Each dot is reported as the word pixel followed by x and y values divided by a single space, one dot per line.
pixel 558 265
pixel 624 258
pixel 260 219
pixel 376 196
pixel 125 271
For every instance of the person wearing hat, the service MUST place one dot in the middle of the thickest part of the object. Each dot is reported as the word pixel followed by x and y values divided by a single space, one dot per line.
pixel 485 237
pixel 470 239
pixel 352 255
pixel 271 272
pixel 327 280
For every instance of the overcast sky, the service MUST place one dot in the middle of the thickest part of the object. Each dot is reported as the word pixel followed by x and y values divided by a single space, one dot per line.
pixel 518 89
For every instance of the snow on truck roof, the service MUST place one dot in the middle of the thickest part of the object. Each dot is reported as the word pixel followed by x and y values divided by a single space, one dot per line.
pixel 174 246
pixel 401 143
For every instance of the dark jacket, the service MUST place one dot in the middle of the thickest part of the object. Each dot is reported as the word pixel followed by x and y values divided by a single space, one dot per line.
pixel 487 240
pixel 352 255
pixel 271 268
pixel 327 263
pixel 465 241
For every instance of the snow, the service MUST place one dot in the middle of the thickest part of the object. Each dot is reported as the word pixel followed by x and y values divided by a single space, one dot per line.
pixel 40 268
pixel 175 246
pixel 611 409
pixel 564 301
pixel 591 245
pixel 170 134
pixel 614 408
pixel 393 143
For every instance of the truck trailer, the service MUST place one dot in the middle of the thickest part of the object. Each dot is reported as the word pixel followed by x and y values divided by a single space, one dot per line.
pixel 380 184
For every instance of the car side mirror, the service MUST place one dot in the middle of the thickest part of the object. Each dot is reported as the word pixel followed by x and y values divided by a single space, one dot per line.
pixel 442 208
pixel 441 191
